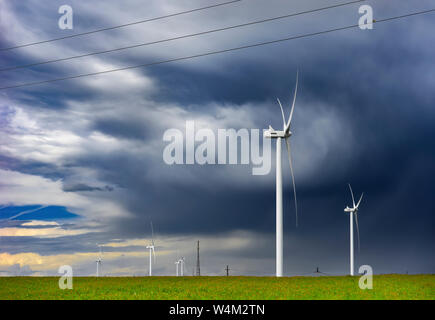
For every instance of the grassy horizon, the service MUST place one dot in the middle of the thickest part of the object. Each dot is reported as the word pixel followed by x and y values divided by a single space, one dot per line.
pixel 385 287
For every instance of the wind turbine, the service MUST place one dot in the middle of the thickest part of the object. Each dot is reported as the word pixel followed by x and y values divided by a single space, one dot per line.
pixel 180 263
pixel 98 261
pixel 176 266
pixel 182 266
pixel 279 135
pixel 353 212
pixel 151 249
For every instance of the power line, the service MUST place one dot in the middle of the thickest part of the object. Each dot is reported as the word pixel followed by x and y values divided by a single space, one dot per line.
pixel 120 26
pixel 211 52
pixel 182 37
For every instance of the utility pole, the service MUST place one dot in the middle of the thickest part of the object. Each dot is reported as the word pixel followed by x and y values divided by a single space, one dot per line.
pixel 198 270
pixel 228 270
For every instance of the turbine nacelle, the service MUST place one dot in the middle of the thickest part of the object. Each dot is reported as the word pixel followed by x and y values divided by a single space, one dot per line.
pixel 347 209
pixel 273 134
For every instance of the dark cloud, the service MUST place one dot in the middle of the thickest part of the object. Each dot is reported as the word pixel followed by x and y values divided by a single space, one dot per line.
pixel 84 187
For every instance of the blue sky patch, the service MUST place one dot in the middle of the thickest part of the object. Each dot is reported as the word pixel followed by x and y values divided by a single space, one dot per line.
pixel 36 212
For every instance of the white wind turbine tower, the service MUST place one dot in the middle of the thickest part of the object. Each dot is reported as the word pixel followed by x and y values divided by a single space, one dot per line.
pixel 353 212
pixel 98 261
pixel 151 249
pixel 279 135
pixel 177 263
pixel 182 266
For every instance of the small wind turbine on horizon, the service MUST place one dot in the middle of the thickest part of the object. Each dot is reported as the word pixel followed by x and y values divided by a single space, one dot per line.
pixel 99 261
pixel 353 212
pixel 151 249
pixel 176 267
pixel 181 266
pixel 279 135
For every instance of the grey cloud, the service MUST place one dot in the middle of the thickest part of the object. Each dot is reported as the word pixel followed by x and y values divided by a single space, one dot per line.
pixel 84 187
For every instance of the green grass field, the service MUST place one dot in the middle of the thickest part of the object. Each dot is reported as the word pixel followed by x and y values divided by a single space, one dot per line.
pixel 392 287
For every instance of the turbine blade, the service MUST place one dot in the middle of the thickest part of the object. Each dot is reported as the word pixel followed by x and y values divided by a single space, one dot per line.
pixel 152 233
pixel 357 228
pixel 359 201
pixel 351 192
pixel 293 177
pixel 154 255
pixel 294 102
pixel 101 253
pixel 282 113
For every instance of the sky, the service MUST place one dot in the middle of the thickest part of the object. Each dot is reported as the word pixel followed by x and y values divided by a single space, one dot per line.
pixel 81 160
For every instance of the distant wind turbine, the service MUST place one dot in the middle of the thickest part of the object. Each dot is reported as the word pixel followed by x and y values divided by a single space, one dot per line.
pixel 98 261
pixel 279 135
pixel 152 250
pixel 177 263
pixel 182 266
pixel 353 212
